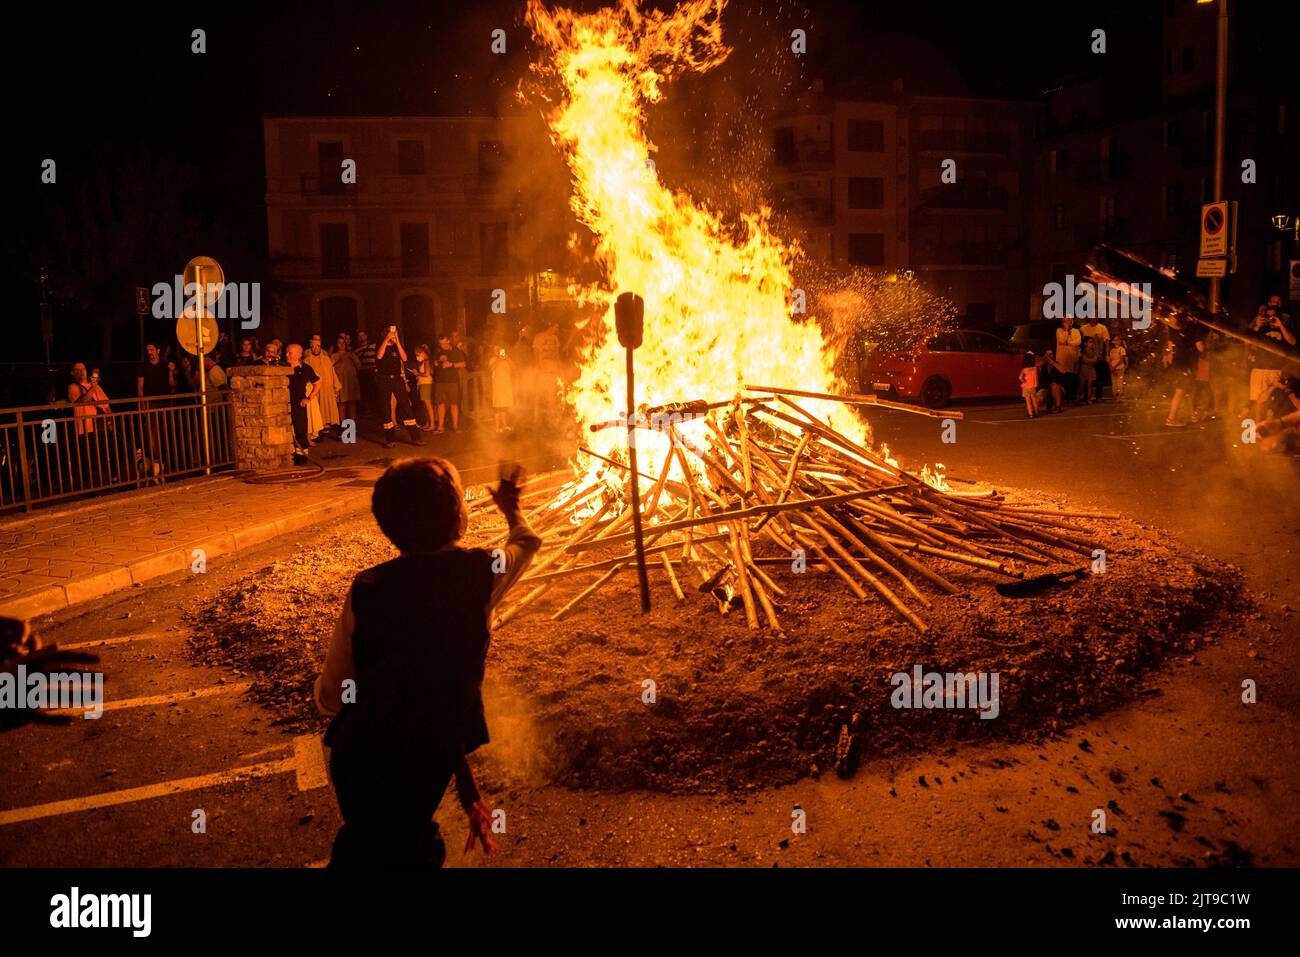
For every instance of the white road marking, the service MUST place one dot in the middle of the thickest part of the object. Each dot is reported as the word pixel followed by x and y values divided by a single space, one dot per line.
pixel 145 702
pixel 90 802
pixel 309 762
pixel 1150 435
pixel 1064 416
pixel 101 642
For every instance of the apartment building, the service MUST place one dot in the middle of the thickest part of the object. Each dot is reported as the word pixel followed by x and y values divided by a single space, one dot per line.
pixel 860 176
pixel 1127 156
pixel 421 238
pixel 839 176
pixel 970 236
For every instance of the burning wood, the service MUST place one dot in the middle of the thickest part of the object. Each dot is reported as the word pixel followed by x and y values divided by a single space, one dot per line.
pixel 763 472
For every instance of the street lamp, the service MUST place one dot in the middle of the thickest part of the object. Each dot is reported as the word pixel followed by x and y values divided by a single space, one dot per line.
pixel 1220 109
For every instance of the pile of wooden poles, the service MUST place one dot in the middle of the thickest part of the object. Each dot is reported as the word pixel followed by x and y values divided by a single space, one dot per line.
pixel 764 490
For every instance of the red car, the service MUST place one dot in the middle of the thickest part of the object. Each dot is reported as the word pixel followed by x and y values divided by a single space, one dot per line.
pixel 962 364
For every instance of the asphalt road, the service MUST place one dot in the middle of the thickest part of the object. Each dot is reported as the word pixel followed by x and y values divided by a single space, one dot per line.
pixel 1195 776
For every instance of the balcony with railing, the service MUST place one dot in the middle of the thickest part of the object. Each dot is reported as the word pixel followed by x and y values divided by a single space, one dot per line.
pixel 460 265
pixel 964 141
pixel 443 187
pixel 1101 231
pixel 808 153
pixel 964 196
pixel 961 254
pixel 1109 169
pixel 807 207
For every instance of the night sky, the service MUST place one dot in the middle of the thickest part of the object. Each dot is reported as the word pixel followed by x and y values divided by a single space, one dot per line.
pixel 126 75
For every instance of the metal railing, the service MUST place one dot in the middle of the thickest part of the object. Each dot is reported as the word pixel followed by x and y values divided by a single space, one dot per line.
pixel 50 453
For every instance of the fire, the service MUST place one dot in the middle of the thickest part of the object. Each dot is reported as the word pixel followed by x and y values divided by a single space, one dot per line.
pixel 718 299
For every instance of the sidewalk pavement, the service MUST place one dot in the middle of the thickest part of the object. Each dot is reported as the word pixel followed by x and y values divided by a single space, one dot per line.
pixel 60 557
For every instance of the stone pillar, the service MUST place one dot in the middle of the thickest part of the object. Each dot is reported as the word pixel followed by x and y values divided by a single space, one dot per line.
pixel 263 427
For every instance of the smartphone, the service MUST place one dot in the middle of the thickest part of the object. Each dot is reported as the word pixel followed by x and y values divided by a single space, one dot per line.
pixel 392 329
pixel 501 353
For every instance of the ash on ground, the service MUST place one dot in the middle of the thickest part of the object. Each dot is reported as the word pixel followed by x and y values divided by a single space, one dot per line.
pixel 733 708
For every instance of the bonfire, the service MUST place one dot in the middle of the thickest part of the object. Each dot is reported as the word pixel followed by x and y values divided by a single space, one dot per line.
pixel 752 453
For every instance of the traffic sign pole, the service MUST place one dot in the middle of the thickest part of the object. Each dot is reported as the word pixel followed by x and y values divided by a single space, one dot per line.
pixel 203 379
pixel 1220 109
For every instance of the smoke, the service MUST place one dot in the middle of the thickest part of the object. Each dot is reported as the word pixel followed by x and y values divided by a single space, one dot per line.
pixel 519 750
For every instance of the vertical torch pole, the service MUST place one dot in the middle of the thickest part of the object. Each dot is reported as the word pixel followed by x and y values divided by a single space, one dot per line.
pixel 629 317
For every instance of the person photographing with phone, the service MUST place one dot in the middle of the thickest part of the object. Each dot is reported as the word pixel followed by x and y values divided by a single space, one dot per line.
pixel 390 372
pixel 403 675
pixel 449 366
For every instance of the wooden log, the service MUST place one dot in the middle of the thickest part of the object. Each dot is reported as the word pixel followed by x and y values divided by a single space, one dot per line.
pixel 861 400
pixel 881 588
pixel 952 556
pixel 742 579
pixel 898 554
pixel 570 571
pixel 762 576
pixel 672 577
pixel 588 592
pixel 734 515
pixel 874 558
pixel 784 491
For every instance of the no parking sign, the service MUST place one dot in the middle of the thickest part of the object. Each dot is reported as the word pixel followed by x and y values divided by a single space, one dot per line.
pixel 1218 230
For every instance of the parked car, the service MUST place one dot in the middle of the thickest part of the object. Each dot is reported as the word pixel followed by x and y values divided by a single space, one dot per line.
pixel 1036 336
pixel 962 364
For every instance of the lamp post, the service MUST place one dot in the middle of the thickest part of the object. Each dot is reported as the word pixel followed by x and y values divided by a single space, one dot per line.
pixel 1220 111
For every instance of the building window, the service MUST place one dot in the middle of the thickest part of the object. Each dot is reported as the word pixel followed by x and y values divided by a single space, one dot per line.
pixel 491 160
pixel 1173 199
pixel 783 144
pixel 330 158
pixel 1059 160
pixel 493 247
pixel 1189 59
pixel 867 249
pixel 866 136
pixel 1058 217
pixel 410 157
pixel 866 192
pixel 1109 207
pixel 1173 132
pixel 335 260
pixel 415 249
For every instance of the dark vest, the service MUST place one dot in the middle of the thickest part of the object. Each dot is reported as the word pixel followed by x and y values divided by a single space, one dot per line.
pixel 419 646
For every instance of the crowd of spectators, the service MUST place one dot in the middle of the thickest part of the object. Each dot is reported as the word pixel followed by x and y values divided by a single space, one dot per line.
pixel 1208 375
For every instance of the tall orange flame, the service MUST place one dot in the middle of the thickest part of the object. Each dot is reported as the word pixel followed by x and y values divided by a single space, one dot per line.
pixel 718 300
